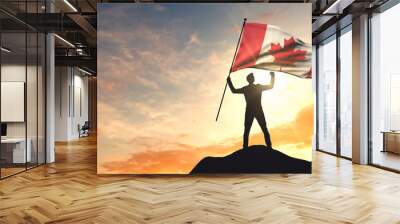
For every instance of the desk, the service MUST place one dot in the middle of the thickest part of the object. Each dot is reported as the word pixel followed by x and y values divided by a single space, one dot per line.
pixel 391 141
pixel 17 150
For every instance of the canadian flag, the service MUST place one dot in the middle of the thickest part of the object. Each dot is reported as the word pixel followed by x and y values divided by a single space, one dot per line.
pixel 267 47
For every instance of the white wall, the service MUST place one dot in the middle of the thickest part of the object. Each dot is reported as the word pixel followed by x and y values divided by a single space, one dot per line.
pixel 80 110
pixel 33 127
pixel 71 93
pixel 62 82
pixel 13 72
pixel 9 73
pixel 16 73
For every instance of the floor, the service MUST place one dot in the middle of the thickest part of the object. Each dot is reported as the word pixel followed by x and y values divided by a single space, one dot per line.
pixel 5 172
pixel 10 171
pixel 386 159
pixel 70 191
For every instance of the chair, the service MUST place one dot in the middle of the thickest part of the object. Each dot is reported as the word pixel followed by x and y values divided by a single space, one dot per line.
pixel 84 130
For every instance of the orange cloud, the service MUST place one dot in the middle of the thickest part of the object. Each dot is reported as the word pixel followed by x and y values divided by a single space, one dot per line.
pixel 178 160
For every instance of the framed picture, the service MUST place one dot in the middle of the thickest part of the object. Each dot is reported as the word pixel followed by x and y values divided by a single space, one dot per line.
pixel 204 88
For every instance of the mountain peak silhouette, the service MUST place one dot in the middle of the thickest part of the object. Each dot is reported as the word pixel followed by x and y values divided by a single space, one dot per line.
pixel 254 159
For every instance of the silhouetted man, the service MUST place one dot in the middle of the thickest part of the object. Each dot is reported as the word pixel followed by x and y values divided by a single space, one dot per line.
pixel 252 94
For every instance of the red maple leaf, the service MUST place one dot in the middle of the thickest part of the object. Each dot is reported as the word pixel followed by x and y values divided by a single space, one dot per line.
pixel 287 55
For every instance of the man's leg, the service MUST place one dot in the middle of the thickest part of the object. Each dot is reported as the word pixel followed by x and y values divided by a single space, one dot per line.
pixel 248 121
pixel 261 121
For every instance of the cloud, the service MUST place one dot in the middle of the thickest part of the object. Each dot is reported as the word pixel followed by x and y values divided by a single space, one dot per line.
pixel 138 58
pixel 164 87
pixel 166 157
pixel 147 82
pixel 193 40
pixel 159 8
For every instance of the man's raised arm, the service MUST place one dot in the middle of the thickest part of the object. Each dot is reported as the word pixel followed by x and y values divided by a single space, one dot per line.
pixel 271 84
pixel 230 84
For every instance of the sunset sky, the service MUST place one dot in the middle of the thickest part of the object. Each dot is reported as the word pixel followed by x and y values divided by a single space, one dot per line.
pixel 161 72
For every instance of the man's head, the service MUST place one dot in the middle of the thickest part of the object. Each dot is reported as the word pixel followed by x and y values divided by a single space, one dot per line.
pixel 250 78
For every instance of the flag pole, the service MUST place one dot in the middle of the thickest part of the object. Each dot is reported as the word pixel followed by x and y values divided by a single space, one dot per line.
pixel 234 56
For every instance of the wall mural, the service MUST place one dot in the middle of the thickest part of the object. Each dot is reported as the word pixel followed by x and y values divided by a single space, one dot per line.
pixel 204 88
